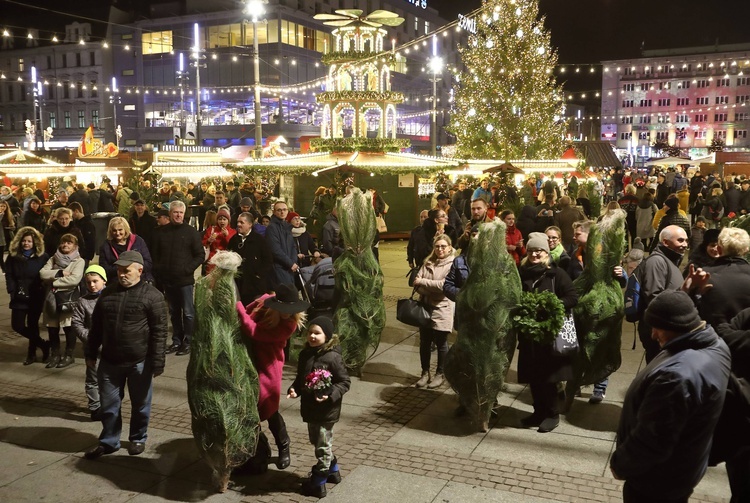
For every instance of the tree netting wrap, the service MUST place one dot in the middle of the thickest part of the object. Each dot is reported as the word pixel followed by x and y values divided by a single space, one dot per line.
pixel 360 310
pixel 477 363
pixel 600 309
pixel 222 380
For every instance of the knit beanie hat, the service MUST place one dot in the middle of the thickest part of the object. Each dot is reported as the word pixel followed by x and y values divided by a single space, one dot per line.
pixel 672 203
pixel 537 241
pixel 325 323
pixel 711 236
pixel 246 201
pixel 223 212
pixel 96 269
pixel 673 310
pixel 291 215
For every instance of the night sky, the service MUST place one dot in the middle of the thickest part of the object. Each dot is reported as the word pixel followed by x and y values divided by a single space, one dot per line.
pixel 584 31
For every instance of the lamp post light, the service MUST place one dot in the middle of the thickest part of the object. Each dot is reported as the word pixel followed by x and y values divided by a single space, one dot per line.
pixel 197 56
pixel 255 9
pixel 436 65
pixel 114 99
pixel 182 76
pixel 35 90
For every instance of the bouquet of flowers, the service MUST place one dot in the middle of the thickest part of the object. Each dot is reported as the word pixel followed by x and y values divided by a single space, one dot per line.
pixel 319 382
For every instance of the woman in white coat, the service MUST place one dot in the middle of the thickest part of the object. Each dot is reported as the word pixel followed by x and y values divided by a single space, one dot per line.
pixel 429 284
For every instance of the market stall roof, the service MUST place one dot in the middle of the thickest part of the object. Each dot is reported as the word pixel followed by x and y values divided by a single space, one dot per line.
pixel 369 162
pixel 668 161
pixel 187 169
pixel 597 154
pixel 505 168
pixel 25 164
pixel 537 166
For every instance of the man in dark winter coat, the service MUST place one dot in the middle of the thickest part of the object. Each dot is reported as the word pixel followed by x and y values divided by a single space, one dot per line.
pixel 730 276
pixel 94 196
pixel 283 249
pixel 672 406
pixel 415 254
pixel 662 190
pixel 257 261
pixel 129 324
pixel 732 199
pixel 177 252
pixel 83 223
pixel 331 232
pixel 745 197
pixel 142 223
pixel 80 196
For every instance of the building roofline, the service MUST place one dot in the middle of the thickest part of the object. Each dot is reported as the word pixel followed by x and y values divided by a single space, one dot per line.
pixel 704 49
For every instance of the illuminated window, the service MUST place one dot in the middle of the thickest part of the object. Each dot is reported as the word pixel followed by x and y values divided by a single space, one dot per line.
pixel 226 35
pixel 157 42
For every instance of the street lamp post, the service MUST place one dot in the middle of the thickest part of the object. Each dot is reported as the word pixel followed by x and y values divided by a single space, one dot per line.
pixel 36 104
pixel 114 99
pixel 436 65
pixel 255 10
pixel 182 75
pixel 198 57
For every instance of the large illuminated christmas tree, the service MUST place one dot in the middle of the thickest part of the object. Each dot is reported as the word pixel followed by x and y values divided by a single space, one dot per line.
pixel 507 104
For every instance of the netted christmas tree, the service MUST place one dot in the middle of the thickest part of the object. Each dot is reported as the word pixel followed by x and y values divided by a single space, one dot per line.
pixel 222 381
pixel 508 105
pixel 360 311
pixel 600 309
pixel 476 364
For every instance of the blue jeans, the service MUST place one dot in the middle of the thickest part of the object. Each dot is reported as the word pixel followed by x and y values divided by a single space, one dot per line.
pixel 112 381
pixel 181 313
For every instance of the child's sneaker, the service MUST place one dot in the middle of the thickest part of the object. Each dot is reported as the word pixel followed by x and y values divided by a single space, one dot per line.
pixel 597 396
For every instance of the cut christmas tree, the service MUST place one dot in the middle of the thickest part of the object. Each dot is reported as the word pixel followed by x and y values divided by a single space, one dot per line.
pixel 476 364
pixel 222 381
pixel 360 310
pixel 508 104
pixel 600 309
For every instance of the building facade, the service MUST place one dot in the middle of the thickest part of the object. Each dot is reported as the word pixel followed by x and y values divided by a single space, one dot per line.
pixel 685 97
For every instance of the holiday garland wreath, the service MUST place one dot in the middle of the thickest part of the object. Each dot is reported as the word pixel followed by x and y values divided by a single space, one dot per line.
pixel 539 316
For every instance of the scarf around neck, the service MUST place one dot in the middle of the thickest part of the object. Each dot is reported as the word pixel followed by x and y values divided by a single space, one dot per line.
pixel 298 231
pixel 62 261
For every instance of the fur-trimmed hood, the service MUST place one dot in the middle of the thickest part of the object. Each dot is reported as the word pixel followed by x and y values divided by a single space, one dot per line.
pixel 15 244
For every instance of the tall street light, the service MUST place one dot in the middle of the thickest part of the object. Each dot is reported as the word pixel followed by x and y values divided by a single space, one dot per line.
pixel 115 100
pixel 35 85
pixel 182 76
pixel 436 66
pixel 198 56
pixel 255 9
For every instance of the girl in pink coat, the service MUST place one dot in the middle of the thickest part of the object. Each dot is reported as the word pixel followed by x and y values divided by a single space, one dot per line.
pixel 269 322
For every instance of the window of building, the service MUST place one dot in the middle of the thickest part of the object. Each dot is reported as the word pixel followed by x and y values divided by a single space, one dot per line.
pixel 648 69
pixel 686 67
pixel 92 58
pixel 627 120
pixel 159 42
pixel 128 73
pixel 666 69
pixel 629 71
pixel 742 116
pixel 50 92
pixel 663 119
pixel 66 89
pixel 228 35
pixel 628 87
pixel 662 135
pixel 664 102
pixel 12 122
pixel 52 120
pixel 683 101
pixel 626 136
pixel 644 119
pixel 743 99
pixel 95 118
pixel 416 25
pixel 722 100
pixel 740 133
pixel 643 135
pixel 722 83
pixel 79 90
pixel 700 67
pixel 743 81
pixel 94 89
pixel 64 60
pixel 21 65
pixel 66 116
pixel 627 103
pixel 126 36
pixel 128 108
pixel 645 103
pixel 49 62
pixel 682 118
pixel 665 85
pixel 645 86
pixel 685 84
pixel 702 83
pixel 78 59
pixel 701 100
pixel 82 119
pixel 701 118
pixel 426 27
pixel 22 92
pixel 720 117
pixel 700 135
pixel 722 135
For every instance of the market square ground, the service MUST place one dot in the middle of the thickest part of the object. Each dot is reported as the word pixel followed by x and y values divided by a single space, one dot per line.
pixel 395 443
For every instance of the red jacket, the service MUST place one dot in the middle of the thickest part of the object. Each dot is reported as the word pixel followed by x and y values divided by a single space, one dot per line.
pixel 267 353
pixel 220 243
pixel 512 237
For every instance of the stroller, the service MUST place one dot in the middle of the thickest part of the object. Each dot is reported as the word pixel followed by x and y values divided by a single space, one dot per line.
pixel 317 286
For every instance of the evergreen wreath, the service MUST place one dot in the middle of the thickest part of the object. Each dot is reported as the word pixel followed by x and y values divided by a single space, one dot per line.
pixel 538 317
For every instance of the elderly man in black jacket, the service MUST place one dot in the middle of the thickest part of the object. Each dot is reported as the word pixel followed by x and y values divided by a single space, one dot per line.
pixel 257 262
pixel 283 249
pixel 177 252
pixel 129 324
pixel 672 406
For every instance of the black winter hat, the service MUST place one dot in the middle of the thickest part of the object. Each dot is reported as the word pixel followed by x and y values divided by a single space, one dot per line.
pixel 325 323
pixel 672 203
pixel 673 310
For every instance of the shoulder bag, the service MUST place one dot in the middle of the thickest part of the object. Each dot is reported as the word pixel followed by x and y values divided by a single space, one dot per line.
pixel 566 341
pixel 412 312
pixel 66 299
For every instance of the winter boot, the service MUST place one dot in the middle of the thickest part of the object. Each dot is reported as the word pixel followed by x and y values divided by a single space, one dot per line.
pixel 30 355
pixel 436 381
pixel 278 427
pixel 67 360
pixel 424 379
pixel 315 485
pixel 334 476
pixel 54 358
pixel 45 347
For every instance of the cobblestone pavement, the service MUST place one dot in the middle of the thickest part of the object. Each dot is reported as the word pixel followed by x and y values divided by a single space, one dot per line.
pixel 395 442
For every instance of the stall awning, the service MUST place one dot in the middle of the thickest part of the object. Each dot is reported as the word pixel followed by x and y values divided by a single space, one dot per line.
pixel 597 154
